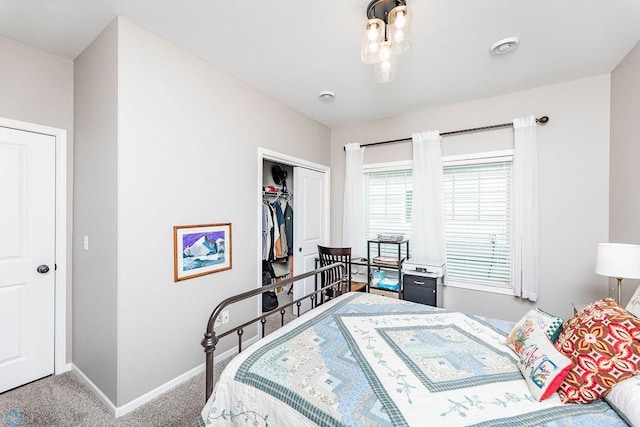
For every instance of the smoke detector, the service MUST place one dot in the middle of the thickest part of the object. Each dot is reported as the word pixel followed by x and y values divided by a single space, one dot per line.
pixel 326 95
pixel 504 46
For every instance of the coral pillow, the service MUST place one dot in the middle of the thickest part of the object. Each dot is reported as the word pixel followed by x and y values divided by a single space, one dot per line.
pixel 543 367
pixel 603 340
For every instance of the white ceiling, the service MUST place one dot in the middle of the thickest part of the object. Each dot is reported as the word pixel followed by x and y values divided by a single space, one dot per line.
pixel 293 49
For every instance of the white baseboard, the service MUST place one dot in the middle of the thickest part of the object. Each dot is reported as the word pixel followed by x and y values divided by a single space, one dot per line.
pixel 65 368
pixel 95 389
pixel 119 411
pixel 147 397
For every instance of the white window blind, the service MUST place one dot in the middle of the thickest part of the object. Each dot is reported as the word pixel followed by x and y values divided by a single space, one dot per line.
pixel 477 216
pixel 388 202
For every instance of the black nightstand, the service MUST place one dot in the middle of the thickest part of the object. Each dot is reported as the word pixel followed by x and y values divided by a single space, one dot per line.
pixel 420 289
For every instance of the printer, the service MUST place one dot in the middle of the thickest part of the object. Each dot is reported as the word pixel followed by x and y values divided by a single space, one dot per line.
pixel 415 267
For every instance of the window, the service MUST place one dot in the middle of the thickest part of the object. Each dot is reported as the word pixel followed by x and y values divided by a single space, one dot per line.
pixel 477 223
pixel 477 197
pixel 387 201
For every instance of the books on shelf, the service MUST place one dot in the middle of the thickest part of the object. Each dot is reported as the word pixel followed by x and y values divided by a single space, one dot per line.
pixel 386 260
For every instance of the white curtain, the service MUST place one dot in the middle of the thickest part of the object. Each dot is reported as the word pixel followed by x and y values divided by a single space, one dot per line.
pixel 353 216
pixel 525 168
pixel 427 223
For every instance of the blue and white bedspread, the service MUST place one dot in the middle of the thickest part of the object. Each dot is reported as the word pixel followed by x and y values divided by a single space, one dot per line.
pixel 367 360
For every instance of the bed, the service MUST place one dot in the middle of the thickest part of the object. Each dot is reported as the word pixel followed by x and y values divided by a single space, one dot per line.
pixel 363 360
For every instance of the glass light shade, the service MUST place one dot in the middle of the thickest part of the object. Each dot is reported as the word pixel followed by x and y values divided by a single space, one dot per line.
pixel 399 29
pixel 384 52
pixel 385 70
pixel 372 37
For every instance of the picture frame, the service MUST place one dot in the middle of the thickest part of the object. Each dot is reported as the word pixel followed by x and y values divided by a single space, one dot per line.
pixel 201 249
pixel 633 306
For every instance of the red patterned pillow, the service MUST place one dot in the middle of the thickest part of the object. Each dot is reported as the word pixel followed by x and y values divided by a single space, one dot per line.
pixel 603 340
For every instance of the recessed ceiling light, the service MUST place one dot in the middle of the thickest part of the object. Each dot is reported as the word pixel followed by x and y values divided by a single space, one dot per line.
pixel 504 46
pixel 326 95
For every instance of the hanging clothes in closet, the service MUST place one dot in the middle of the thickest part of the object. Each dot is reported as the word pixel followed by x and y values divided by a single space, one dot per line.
pixel 277 229
pixel 267 225
pixel 271 244
pixel 281 249
pixel 277 246
pixel 288 227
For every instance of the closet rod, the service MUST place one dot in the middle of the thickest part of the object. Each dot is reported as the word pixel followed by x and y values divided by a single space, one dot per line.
pixel 541 120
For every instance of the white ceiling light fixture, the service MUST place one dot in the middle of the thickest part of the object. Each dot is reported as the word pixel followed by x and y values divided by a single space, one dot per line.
pixel 386 33
pixel 326 95
pixel 504 46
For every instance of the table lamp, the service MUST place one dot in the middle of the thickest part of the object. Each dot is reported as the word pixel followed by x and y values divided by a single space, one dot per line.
pixel 618 260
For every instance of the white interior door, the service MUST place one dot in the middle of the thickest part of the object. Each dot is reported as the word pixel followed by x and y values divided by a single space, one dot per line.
pixel 27 244
pixel 310 226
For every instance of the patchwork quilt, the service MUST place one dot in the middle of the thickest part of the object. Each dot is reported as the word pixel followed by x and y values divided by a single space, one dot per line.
pixel 368 360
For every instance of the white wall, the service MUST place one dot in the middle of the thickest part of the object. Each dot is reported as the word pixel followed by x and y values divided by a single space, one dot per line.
pixel 37 87
pixel 624 207
pixel 95 211
pixel 573 158
pixel 187 154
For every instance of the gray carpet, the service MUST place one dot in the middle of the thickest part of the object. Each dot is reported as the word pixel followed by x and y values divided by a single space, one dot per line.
pixel 64 400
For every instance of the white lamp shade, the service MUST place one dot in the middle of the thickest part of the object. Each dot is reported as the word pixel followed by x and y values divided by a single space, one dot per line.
pixel 618 260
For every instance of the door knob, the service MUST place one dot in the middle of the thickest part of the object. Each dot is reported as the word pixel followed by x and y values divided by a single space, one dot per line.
pixel 43 269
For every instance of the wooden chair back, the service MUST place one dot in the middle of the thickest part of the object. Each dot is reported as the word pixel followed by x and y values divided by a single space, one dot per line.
pixel 328 256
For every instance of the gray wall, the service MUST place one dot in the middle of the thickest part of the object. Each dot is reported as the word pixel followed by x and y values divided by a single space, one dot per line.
pixel 37 87
pixel 573 155
pixel 95 211
pixel 187 140
pixel 624 202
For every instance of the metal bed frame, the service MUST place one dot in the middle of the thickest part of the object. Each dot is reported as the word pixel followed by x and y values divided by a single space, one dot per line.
pixel 211 339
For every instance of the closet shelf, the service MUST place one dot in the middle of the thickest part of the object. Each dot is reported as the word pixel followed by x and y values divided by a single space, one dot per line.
pixel 277 194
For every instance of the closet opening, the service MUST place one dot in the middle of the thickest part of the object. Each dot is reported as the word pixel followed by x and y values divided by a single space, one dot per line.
pixel 277 223
pixel 296 192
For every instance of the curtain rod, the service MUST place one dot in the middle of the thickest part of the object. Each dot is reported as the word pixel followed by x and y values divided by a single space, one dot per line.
pixel 542 120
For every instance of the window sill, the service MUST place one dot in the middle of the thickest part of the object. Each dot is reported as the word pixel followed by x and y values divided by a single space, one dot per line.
pixel 482 288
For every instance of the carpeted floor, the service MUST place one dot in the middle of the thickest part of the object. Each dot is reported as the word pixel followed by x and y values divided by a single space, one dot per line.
pixel 64 400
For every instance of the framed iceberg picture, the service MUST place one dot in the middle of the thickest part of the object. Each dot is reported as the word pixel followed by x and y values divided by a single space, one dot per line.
pixel 201 249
